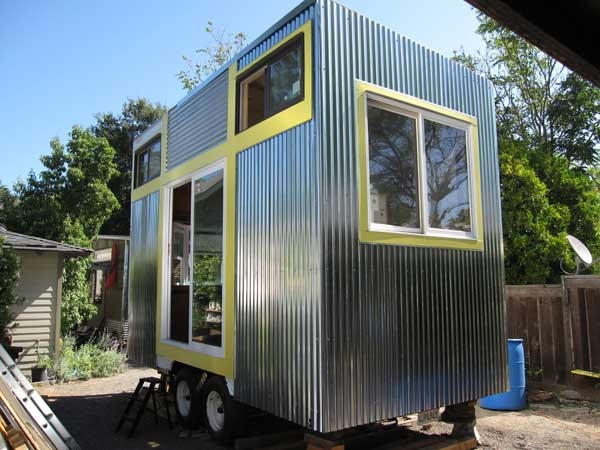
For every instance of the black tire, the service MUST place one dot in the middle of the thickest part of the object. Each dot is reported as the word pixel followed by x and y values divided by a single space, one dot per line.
pixel 219 410
pixel 187 398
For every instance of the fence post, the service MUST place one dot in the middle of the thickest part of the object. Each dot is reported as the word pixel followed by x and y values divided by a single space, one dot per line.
pixel 566 306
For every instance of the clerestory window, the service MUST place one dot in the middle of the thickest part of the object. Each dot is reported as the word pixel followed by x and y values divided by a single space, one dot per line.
pixel 271 85
pixel 147 163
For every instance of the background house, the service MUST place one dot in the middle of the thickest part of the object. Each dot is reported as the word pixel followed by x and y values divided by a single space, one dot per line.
pixel 109 283
pixel 40 283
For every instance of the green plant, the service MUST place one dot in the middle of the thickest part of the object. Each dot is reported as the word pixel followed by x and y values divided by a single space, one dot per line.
pixel 91 360
pixel 9 275
pixel 44 361
pixel 76 305
pixel 535 372
pixel 207 270
pixel 212 56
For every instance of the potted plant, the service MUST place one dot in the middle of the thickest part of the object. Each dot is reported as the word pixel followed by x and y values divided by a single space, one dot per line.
pixel 39 372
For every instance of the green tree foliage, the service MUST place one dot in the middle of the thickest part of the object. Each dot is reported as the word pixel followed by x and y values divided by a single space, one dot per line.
pixel 76 305
pixel 573 114
pixel 9 276
pixel 69 201
pixel 223 47
pixel 120 130
pixel 7 200
pixel 534 237
pixel 549 135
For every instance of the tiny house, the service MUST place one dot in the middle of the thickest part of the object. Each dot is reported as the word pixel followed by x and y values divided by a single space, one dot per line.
pixel 316 231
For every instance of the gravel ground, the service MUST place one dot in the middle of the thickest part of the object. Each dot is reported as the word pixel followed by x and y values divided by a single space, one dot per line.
pixel 530 429
pixel 91 410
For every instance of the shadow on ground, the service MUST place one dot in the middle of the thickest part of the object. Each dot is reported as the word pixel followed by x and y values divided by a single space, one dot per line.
pixel 92 421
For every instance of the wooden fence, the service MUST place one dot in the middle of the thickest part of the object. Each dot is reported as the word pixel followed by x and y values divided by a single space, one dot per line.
pixel 559 325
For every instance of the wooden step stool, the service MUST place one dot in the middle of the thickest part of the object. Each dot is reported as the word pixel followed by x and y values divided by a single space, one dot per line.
pixel 154 384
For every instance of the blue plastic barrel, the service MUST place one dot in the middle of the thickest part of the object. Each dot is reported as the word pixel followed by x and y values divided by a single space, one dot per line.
pixel 515 399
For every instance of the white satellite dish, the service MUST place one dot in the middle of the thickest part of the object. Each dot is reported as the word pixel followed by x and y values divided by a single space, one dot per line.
pixel 584 257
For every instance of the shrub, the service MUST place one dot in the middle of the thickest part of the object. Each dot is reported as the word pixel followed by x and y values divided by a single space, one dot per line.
pixel 95 359
pixel 9 276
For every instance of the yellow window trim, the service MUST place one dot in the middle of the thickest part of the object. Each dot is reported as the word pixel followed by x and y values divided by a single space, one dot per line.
pixel 288 118
pixel 278 123
pixel 412 239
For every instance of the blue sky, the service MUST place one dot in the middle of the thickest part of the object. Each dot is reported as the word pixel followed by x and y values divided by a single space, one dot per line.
pixel 62 61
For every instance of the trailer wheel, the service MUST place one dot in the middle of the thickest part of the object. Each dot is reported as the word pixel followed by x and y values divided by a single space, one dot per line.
pixel 219 410
pixel 187 398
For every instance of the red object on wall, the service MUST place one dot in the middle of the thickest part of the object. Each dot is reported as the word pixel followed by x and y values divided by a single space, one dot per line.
pixel 114 264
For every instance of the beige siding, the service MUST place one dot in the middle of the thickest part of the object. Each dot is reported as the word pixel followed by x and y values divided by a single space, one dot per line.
pixel 36 316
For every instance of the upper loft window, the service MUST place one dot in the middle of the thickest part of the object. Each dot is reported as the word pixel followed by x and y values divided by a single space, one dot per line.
pixel 271 85
pixel 147 163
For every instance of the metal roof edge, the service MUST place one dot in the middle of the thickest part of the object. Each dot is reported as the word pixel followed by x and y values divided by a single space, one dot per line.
pixel 37 244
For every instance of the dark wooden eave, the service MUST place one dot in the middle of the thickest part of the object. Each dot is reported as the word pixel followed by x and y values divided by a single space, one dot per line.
pixel 568 31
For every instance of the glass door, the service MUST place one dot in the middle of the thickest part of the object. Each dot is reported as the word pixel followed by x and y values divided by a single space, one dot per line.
pixel 206 296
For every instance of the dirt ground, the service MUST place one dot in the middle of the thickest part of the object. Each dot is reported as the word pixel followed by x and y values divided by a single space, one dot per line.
pixel 91 410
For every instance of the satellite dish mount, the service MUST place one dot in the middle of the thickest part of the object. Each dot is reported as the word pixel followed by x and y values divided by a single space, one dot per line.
pixel 583 257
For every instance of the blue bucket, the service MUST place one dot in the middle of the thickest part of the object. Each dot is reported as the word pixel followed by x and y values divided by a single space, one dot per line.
pixel 515 399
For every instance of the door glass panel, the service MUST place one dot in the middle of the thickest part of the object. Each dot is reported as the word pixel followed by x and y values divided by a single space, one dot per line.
pixel 180 270
pixel 207 276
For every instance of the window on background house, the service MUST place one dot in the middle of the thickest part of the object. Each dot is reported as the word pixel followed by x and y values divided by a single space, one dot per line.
pixel 419 171
pixel 271 85
pixel 147 163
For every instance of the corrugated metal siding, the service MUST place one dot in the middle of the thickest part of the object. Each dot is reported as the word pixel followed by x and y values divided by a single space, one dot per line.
pixel 142 281
pixel 404 329
pixel 278 276
pixel 277 36
pixel 198 123
pixel 278 264
pixel 37 315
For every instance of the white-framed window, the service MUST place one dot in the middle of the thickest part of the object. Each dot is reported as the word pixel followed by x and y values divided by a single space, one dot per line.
pixel 195 223
pixel 420 171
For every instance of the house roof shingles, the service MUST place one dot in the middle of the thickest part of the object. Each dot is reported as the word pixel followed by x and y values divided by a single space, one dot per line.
pixel 24 242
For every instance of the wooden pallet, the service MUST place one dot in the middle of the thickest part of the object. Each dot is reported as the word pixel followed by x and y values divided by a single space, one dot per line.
pixel 380 438
pixel 393 438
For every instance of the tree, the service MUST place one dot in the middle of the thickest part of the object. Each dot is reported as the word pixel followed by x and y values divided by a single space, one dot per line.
pixel 549 134
pixel 525 79
pixel 9 276
pixel 573 114
pixel 534 237
pixel 211 57
pixel 120 130
pixel 69 202
pixel 7 200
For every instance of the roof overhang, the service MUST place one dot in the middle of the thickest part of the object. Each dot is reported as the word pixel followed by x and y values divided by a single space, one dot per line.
pixel 567 31
pixel 20 241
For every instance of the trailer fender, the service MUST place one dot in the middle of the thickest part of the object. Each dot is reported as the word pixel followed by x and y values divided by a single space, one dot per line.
pixel 164 365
